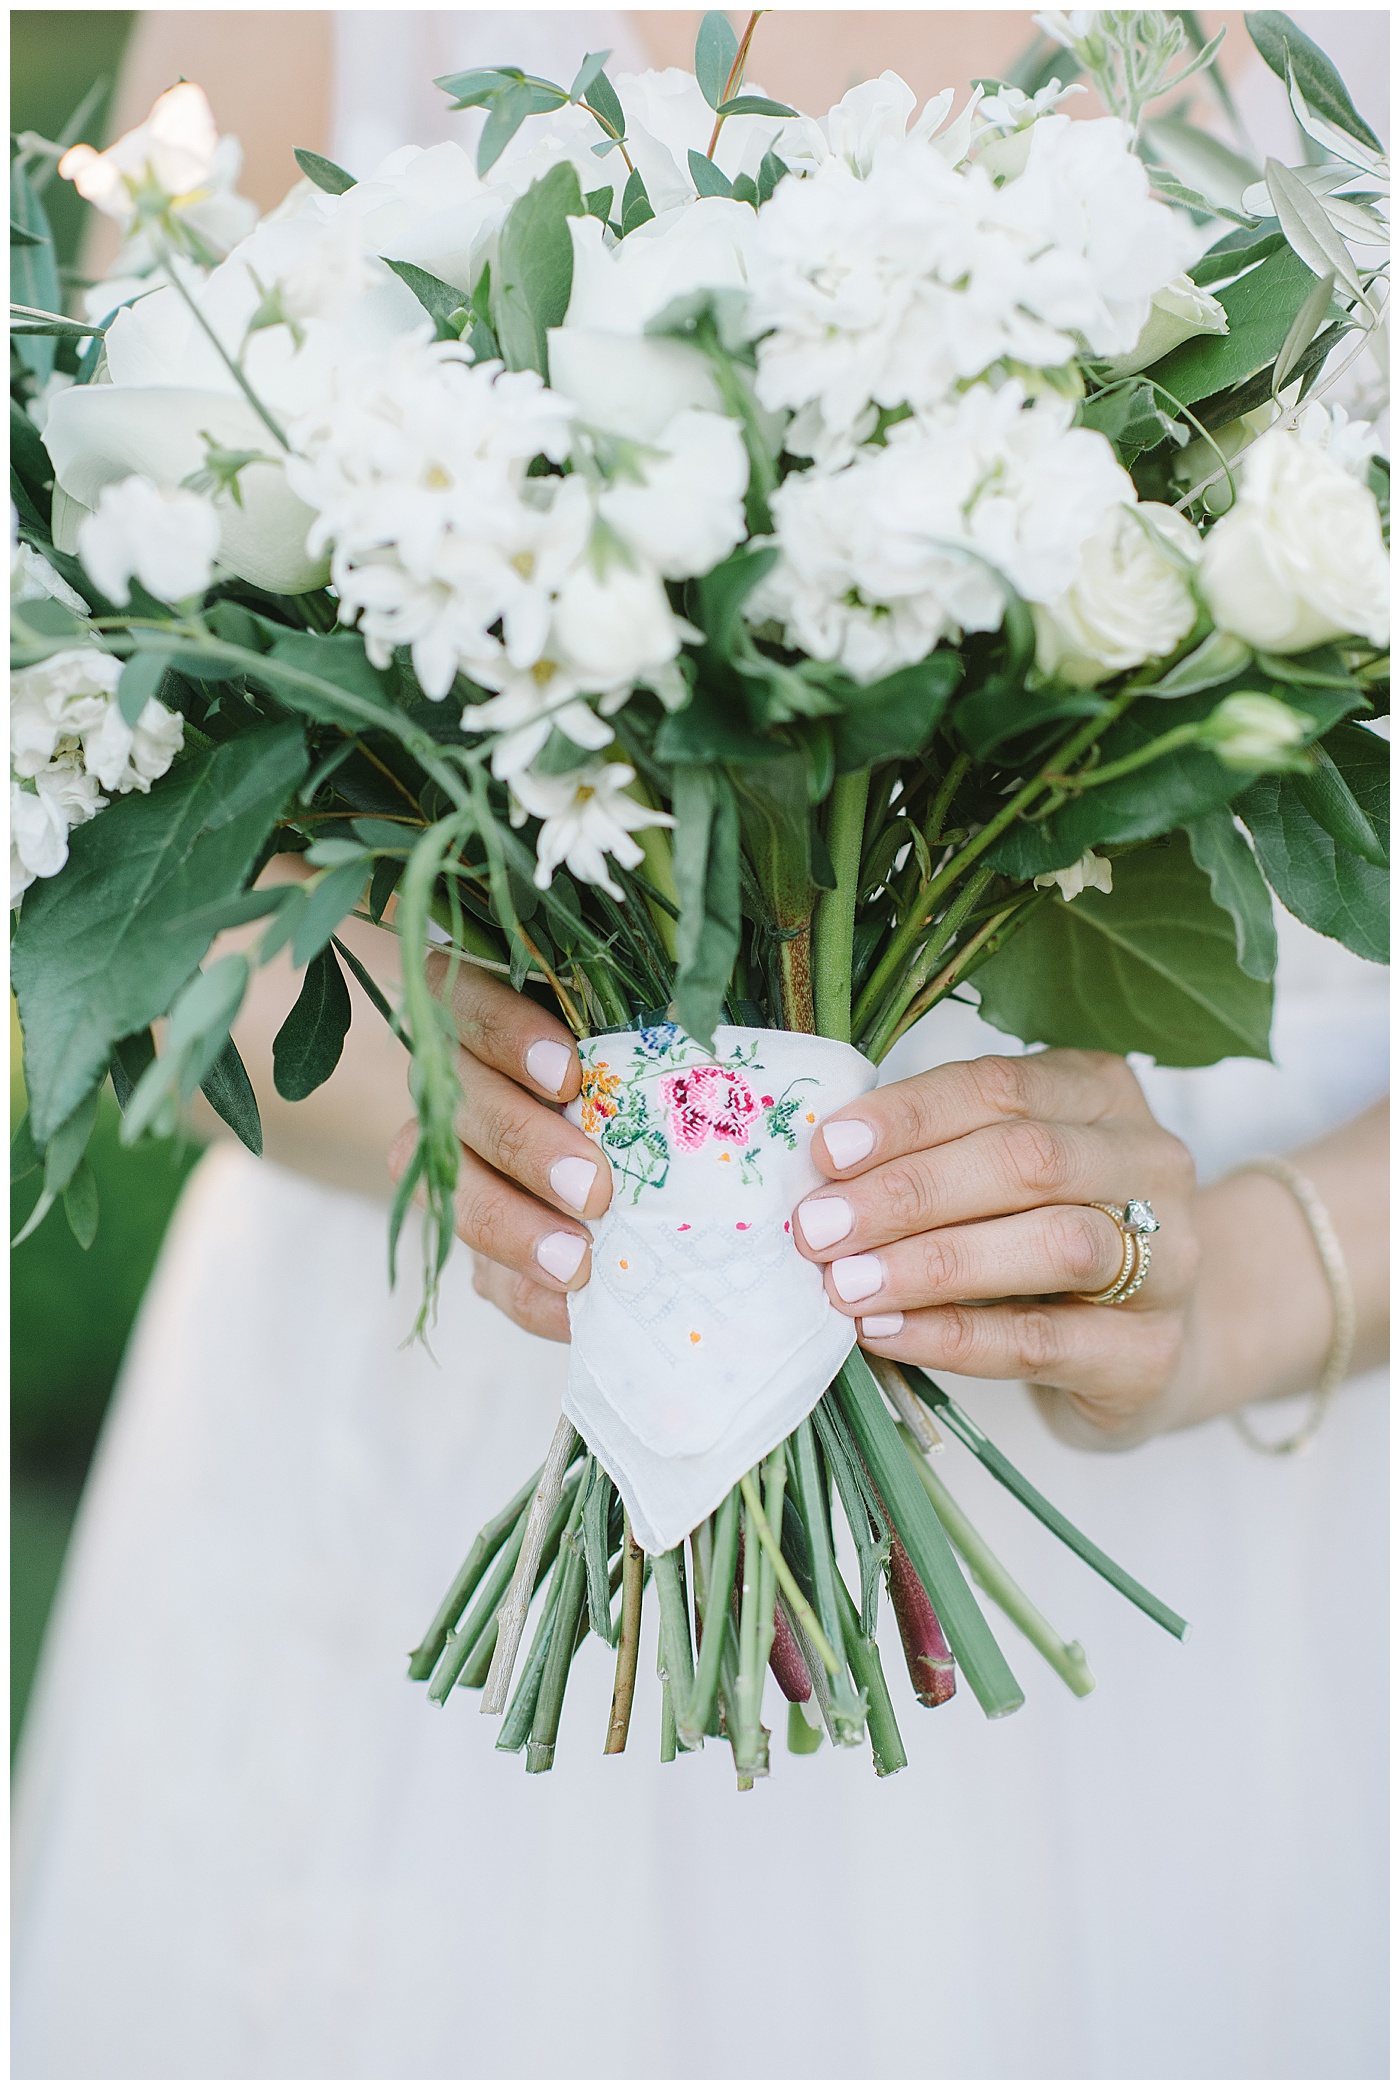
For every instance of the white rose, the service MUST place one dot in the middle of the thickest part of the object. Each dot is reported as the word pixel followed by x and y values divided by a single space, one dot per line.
pixel 1179 311
pixel 687 511
pixel 1300 558
pixel 1130 602
pixel 167 541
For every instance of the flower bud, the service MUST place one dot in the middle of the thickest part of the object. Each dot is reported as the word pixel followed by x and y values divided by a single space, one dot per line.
pixel 1252 731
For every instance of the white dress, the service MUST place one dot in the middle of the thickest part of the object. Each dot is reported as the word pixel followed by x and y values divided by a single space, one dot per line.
pixel 245 1848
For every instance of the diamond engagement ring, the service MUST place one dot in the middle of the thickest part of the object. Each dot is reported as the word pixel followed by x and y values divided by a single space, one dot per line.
pixel 1136 1222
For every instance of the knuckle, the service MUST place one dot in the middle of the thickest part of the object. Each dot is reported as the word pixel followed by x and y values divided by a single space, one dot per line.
pixel 1037 1155
pixel 1001 1085
pixel 1079 1245
pixel 1178 1163
pixel 483 1219
pixel 958 1337
pixel 901 1197
pixel 1036 1340
pixel 505 1138
pixel 944 1266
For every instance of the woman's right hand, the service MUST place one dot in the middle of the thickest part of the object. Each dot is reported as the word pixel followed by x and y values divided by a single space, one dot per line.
pixel 527 1176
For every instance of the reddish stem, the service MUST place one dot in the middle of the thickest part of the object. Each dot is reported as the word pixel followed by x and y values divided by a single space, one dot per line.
pixel 785 1657
pixel 926 1650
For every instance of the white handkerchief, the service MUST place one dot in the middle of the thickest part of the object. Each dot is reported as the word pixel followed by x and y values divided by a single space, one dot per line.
pixel 703 1336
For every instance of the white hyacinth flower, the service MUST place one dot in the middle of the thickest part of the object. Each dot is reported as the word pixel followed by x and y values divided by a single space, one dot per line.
pixel 167 541
pixel 1089 873
pixel 588 816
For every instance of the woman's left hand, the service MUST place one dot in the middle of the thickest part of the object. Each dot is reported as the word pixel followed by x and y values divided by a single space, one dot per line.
pixel 959 1226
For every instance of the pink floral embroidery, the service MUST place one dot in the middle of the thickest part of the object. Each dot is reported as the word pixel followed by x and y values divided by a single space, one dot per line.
pixel 708 1102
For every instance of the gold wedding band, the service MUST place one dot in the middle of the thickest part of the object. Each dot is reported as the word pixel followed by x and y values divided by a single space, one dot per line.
pixel 1136 1222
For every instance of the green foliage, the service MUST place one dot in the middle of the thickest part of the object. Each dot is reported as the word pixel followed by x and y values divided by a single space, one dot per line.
pixel 1283 46
pixel 228 1090
pixel 535 270
pixel 716 48
pixel 895 716
pixel 1260 308
pixel 1236 884
pixel 324 173
pixel 99 951
pixel 307 1049
pixel 1149 967
pixel 707 881
pixel 445 305
pixel 1316 876
pixel 33 269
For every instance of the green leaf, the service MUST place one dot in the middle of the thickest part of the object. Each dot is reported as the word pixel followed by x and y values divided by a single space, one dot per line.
pixel 1328 797
pixel 1238 251
pixel 1279 41
pixel 716 48
pixel 509 109
pixel 636 204
pixel 228 1090
pixel 602 100
pixel 707 177
pixel 130 1059
pixel 1149 967
pixel 1334 892
pixel 535 271
pixel 67 1146
pixel 141 679
pixel 441 301
pixel 93 958
pixel 598 203
pixel 323 909
pixel 337 660
pixel 20 238
pixel 34 278
pixel 998 713
pixel 897 715
pixel 80 1205
pixel 753 105
pixel 326 175
pixel 1129 417
pixel 1237 885
pixel 716 600
pixel 39 321
pixel 196 1036
pixel 587 73
pixel 1309 231
pixel 307 1049
pixel 770 172
pixel 1260 309
pixel 707 882
pixel 712 728
pixel 24 1155
pixel 471 89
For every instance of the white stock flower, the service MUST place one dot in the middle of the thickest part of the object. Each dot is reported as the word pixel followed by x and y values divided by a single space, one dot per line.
pixel 867 121
pixel 588 816
pixel 906 545
pixel 167 541
pixel 38 837
pixel 681 506
pixel 1179 311
pixel 1131 600
pixel 1299 559
pixel 1350 444
pixel 1254 731
pixel 1090 872
pixel 1001 138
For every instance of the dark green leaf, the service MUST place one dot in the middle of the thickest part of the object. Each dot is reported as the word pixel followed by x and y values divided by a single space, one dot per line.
pixel 707 881
pixel 1279 42
pixel 337 660
pixel 1149 967
pixel 130 1059
pixel 535 271
pixel 712 728
pixel 707 177
pixel 1238 251
pixel 233 912
pixel 33 270
pixel 92 960
pixel 1130 417
pixel 636 204
pixel 754 105
pixel 1328 797
pixel 197 1034
pixel 140 681
pixel 716 48
pixel 1325 886
pixel 80 1205
pixel 1363 763
pixel 229 1091
pixel 1260 308
pixel 307 1049
pixel 745 190
pixel 387 873
pixel 898 714
pixel 20 238
pixel 1237 885
pixel 326 175
pixel 67 1146
pixel 602 99
pixel 718 598
pixel 998 712
pixel 598 203
pixel 774 817
pixel 24 1155
pixel 441 301
pixel 770 172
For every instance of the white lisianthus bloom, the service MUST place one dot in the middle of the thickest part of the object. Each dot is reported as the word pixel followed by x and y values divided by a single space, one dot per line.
pixel 1179 311
pixel 914 540
pixel 1254 731
pixel 588 816
pixel 167 541
pixel 1299 559
pixel 1131 600
pixel 1091 872
pixel 681 505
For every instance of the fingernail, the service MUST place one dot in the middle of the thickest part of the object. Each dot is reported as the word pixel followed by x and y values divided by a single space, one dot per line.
pixel 848 1141
pixel 560 1254
pixel 825 1220
pixel 857 1276
pixel 573 1179
pixel 547 1062
pixel 879 1327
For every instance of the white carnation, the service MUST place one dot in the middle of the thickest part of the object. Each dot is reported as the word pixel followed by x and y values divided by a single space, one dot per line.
pixel 1131 600
pixel 1299 559
pixel 167 541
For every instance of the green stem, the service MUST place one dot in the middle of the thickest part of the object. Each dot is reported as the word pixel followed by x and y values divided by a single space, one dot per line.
pixel 233 368
pixel 1180 736
pixel 1066 1658
pixel 695 1717
pixel 786 1579
pixel 914 980
pixel 678 1669
pixel 947 792
pixel 834 929
pixel 886 1743
pixel 485 1547
pixel 629 1641
pixel 847 1713
pixel 563 1640
pixel 749 1756
pixel 896 1024
pixel 478 1660
pixel 562 1450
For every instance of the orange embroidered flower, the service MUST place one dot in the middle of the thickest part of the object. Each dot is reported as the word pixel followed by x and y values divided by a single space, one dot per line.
pixel 598 1096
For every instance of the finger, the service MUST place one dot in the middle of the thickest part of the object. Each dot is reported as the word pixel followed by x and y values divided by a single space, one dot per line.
pixel 533 1145
pixel 1112 1363
pixel 1059 1248
pixel 506 1030
pixel 529 1305
pixel 501 1222
pixel 949 1102
pixel 995 1170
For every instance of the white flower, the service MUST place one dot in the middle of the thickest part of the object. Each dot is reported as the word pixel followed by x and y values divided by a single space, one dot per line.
pixel 38 838
pixel 668 118
pixel 38 409
pixel 32 579
pixel 587 817
pixel 617 628
pixel 130 758
pixel 1091 871
pixel 1001 140
pixel 867 121
pixel 1351 444
pixel 173 165
pixel 1131 600
pixel 909 543
pixel 1253 731
pixel 681 506
pixel 167 541
pixel 1299 559
pixel 53 704
pixel 1179 311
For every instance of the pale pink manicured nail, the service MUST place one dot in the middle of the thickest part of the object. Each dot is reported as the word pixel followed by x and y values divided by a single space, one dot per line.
pixel 848 1141
pixel 857 1276
pixel 547 1062
pixel 880 1327
pixel 560 1254
pixel 825 1220
pixel 573 1179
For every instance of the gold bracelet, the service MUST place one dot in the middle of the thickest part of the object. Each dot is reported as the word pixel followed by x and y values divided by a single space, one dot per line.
pixel 1334 1269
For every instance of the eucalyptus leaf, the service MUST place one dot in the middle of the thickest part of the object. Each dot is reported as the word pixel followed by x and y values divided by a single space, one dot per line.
pixel 706 176
pixel 196 1037
pixel 716 48
pixel 535 270
pixel 81 1205
pixel 307 1049
pixel 93 959
pixel 636 203
pixel 323 172
pixel 754 105
pixel 141 679
pixel 1237 885
pixel 325 907
pixel 441 301
pixel 1149 967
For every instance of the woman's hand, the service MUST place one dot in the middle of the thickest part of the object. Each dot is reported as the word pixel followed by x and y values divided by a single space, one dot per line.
pixel 959 1226
pixel 527 1175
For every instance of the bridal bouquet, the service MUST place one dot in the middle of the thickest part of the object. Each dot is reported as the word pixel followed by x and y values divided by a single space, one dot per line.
pixel 744 578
